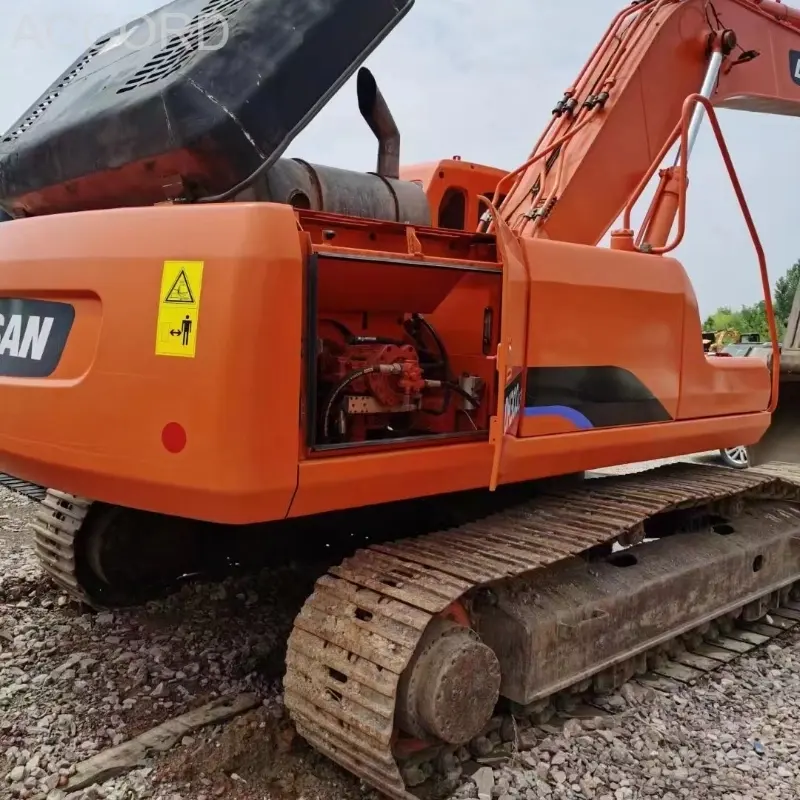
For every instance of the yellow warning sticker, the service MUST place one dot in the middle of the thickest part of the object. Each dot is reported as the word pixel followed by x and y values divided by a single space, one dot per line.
pixel 179 308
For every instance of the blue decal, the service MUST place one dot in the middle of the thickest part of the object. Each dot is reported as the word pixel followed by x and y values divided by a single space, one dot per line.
pixel 575 417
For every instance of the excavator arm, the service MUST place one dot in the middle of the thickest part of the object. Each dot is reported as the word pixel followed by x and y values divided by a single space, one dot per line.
pixel 613 122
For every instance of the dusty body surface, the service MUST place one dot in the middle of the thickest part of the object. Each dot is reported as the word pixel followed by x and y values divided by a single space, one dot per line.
pixel 73 684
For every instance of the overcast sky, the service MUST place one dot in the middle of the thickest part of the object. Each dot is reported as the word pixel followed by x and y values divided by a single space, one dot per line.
pixel 478 80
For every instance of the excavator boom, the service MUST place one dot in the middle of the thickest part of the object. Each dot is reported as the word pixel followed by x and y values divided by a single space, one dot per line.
pixel 612 122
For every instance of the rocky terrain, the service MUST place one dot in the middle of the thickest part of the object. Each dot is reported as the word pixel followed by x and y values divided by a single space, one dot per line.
pixel 73 684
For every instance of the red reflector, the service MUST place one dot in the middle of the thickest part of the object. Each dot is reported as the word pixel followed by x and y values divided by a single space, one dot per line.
pixel 173 437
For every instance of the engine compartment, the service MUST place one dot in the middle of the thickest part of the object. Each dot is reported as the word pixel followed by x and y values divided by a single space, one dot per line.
pixel 403 349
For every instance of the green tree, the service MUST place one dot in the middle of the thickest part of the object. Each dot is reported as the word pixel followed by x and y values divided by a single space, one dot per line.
pixel 785 288
pixel 753 318
pixel 721 319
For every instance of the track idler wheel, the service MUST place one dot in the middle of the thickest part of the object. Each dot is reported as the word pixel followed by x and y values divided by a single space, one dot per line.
pixel 451 687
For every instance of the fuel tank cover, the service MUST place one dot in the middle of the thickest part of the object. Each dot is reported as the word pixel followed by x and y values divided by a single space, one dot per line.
pixel 191 97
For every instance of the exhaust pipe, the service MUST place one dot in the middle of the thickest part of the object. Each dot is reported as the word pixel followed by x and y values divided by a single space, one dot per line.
pixel 376 112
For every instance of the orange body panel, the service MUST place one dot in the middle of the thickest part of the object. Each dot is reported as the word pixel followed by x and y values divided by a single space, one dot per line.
pixel 568 453
pixel 452 186
pixel 94 427
pixel 650 326
pixel 385 477
pixel 735 384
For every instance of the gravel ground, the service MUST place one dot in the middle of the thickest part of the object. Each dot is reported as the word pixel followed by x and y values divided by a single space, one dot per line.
pixel 73 684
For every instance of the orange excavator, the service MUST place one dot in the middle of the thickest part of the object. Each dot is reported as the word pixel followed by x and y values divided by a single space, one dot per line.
pixel 200 336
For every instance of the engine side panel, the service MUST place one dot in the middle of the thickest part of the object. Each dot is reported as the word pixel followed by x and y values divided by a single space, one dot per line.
pixel 615 340
pixel 103 422
pixel 568 285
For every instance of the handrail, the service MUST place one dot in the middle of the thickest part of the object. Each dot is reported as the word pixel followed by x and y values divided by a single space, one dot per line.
pixel 751 227
pixel 682 129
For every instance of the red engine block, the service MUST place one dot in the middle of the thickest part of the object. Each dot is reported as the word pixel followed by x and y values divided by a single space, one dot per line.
pixel 390 389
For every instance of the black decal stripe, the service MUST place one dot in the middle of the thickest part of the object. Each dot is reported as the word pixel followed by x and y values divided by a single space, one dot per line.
pixel 605 396
pixel 794 65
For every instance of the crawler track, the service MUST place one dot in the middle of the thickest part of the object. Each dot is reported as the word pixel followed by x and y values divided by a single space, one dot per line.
pixel 388 623
pixel 358 634
pixel 58 520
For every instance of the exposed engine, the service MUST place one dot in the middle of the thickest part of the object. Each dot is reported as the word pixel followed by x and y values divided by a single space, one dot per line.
pixel 375 387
